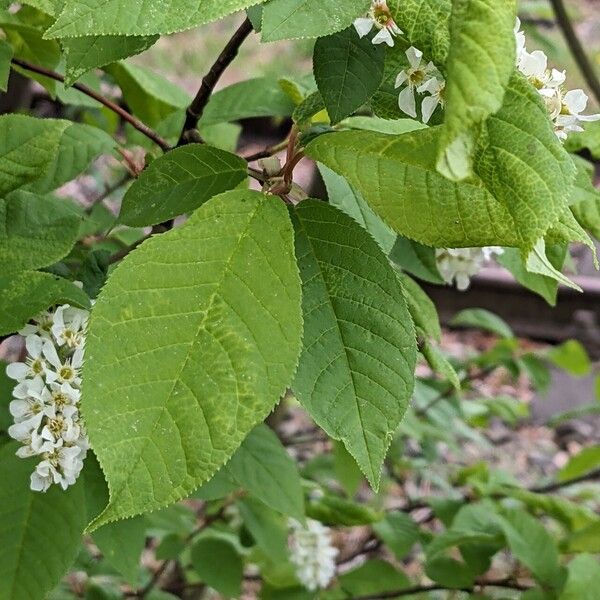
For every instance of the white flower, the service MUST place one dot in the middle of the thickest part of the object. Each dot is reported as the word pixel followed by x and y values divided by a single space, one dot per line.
pixel 435 87
pixel 64 371
pixel 462 263
pixel 69 324
pixel 574 103
pixel 413 77
pixel 380 17
pixel 313 554
pixel 61 466
pixel 34 365
pixel 42 324
pixel 520 39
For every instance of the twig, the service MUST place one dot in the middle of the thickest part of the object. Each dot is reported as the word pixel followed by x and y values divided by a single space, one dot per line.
pixel 420 589
pixel 267 152
pixel 585 66
pixel 558 485
pixel 196 108
pixel 84 89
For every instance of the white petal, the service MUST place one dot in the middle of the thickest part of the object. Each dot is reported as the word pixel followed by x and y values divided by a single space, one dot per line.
pixel 17 371
pixel 363 26
pixel 462 282
pixel 428 107
pixel 406 102
pixel 589 118
pixel 432 86
pixel 576 101
pixel 77 360
pixel 414 57
pixel 557 78
pixel 34 344
pixel 384 36
pixel 534 64
pixel 51 355
pixel 401 79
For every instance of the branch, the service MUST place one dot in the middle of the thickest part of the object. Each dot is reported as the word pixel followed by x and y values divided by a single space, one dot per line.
pixel 196 108
pixel 558 485
pixel 585 66
pixel 84 89
pixel 420 589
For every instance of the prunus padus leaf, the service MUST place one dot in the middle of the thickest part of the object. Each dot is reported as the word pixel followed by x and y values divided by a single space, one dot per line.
pixel 35 231
pixel 6 54
pixel 348 70
pixel 356 371
pixel 263 468
pixel 480 63
pixel 122 17
pixel 523 178
pixel 583 579
pixel 219 565
pixel 179 182
pixel 192 342
pixel 40 534
pixel 294 19
pixel 26 294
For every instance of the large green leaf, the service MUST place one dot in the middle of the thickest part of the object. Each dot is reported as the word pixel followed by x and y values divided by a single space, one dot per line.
pixel 348 70
pixel 524 178
pixel 87 53
pixel 355 375
pixel 6 54
pixel 480 63
pixel 25 295
pixel 179 182
pixel 263 467
pixel 45 153
pixel 123 17
pixel 191 343
pixel 293 19
pixel 583 580
pixel 39 533
pixel 35 231
pixel 219 565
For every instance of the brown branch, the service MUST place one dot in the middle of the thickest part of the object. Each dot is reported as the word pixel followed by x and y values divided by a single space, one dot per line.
pixel 84 89
pixel 584 64
pixel 558 485
pixel 196 108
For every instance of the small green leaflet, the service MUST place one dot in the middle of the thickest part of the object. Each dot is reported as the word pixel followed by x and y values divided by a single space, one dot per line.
pixel 6 54
pixel 348 70
pixel 480 63
pixel 263 467
pixel 35 529
pixel 35 231
pixel 219 565
pixel 355 375
pixel 583 580
pixel 87 53
pixel 192 342
pixel 179 182
pixel 27 294
pixel 294 19
pixel 123 17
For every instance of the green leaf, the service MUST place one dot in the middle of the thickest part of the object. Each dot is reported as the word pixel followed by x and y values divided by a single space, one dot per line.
pixel 87 53
pixel 263 467
pixel 572 357
pixel 27 294
pixel 583 462
pixel 334 511
pixel 260 97
pixel 524 178
pixel 294 19
pixel 31 151
pixel 35 231
pixel 538 263
pixel 480 318
pixel 35 527
pixel 355 375
pixel 347 472
pixel 122 544
pixel 179 182
pixel 121 17
pixel 440 364
pixel 191 343
pixel 583 579
pixel 343 196
pixel 151 97
pixel 585 540
pixel 416 259
pixel 372 578
pixel 218 565
pixel 480 63
pixel 399 532
pixel 532 545
pixel 422 309
pixel 589 138
pixel 6 54
pixel 348 70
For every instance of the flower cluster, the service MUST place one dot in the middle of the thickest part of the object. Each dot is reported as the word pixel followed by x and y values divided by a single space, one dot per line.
pixel 46 398
pixel 420 78
pixel 380 17
pixel 564 107
pixel 312 553
pixel 462 263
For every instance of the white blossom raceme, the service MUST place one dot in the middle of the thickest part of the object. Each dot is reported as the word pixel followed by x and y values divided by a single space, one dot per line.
pixel 564 107
pixel 312 553
pixel 419 78
pixel 380 17
pixel 460 264
pixel 46 398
